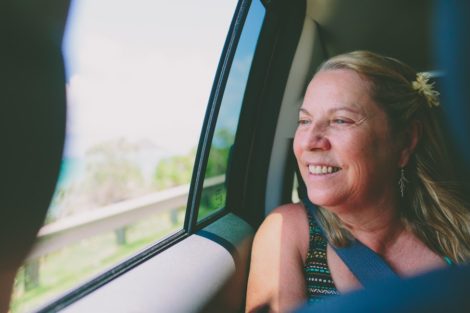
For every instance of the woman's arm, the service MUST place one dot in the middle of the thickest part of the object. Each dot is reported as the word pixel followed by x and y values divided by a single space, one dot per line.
pixel 276 278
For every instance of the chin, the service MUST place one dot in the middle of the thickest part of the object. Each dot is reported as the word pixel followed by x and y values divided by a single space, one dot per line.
pixel 322 199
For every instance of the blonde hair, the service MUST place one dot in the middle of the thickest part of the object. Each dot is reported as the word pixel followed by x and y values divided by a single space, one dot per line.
pixel 434 207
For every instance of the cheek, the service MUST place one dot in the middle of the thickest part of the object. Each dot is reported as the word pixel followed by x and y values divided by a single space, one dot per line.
pixel 372 158
pixel 359 152
pixel 297 148
pixel 351 145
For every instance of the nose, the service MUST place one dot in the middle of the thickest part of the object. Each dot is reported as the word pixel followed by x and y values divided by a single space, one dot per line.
pixel 314 139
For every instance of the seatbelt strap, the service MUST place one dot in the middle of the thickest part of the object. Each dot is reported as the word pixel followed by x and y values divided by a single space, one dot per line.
pixel 363 262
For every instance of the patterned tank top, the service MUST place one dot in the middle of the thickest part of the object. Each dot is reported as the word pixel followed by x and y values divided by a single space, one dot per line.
pixel 317 274
pixel 316 271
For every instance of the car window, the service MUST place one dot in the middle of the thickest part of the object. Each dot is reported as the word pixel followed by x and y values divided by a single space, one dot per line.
pixel 139 76
pixel 213 198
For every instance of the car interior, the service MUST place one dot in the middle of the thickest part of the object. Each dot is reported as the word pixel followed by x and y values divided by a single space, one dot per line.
pixel 204 268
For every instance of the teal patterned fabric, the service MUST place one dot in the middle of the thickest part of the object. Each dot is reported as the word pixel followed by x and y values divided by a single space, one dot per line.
pixel 317 274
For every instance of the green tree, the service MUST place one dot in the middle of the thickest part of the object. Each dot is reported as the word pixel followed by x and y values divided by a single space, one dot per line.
pixel 174 171
pixel 219 153
pixel 177 170
pixel 111 174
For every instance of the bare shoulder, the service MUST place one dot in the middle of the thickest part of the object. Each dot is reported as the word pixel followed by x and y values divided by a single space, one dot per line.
pixel 295 212
pixel 292 217
pixel 278 253
pixel 288 223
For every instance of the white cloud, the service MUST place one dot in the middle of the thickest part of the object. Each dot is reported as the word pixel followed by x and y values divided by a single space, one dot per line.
pixel 154 85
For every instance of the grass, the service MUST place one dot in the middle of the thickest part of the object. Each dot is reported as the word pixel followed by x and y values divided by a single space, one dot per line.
pixel 69 267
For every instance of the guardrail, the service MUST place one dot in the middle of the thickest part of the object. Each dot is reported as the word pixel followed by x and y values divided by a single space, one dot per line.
pixel 72 229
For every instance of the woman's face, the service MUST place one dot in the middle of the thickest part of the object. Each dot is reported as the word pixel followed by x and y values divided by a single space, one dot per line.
pixel 344 145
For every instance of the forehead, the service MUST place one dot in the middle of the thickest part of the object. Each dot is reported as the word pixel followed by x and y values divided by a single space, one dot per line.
pixel 338 88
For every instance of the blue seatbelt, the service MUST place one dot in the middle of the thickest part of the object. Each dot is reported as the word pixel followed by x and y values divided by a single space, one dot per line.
pixel 366 265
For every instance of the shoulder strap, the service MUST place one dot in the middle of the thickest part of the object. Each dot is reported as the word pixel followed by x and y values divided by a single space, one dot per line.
pixel 363 262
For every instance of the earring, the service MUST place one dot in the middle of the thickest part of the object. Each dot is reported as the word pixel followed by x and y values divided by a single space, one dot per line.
pixel 402 182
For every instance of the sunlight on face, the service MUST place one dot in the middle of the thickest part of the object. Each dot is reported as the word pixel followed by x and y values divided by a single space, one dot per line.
pixel 343 144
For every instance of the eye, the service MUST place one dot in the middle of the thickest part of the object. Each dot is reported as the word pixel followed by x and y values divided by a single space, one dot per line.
pixel 341 121
pixel 303 121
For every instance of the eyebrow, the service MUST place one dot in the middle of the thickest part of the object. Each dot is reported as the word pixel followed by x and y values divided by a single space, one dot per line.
pixel 304 111
pixel 301 109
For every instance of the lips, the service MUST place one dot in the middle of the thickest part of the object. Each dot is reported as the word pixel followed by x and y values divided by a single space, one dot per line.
pixel 322 169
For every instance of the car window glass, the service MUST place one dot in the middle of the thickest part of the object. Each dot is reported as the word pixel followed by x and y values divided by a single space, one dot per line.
pixel 213 195
pixel 139 75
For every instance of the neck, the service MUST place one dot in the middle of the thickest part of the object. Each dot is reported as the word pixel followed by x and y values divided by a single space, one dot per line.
pixel 377 227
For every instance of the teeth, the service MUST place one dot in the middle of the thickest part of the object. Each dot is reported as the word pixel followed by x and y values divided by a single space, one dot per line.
pixel 318 169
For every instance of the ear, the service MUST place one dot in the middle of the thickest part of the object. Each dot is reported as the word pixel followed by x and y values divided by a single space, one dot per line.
pixel 411 138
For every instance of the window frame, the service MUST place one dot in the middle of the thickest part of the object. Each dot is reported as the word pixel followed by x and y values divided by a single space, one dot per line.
pixel 191 225
pixel 277 44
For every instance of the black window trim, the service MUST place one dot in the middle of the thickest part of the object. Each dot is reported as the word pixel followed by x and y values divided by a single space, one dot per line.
pixel 191 224
pixel 275 51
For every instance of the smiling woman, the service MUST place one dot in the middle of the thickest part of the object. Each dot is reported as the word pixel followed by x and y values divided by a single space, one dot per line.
pixel 370 152
pixel 180 128
pixel 338 112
